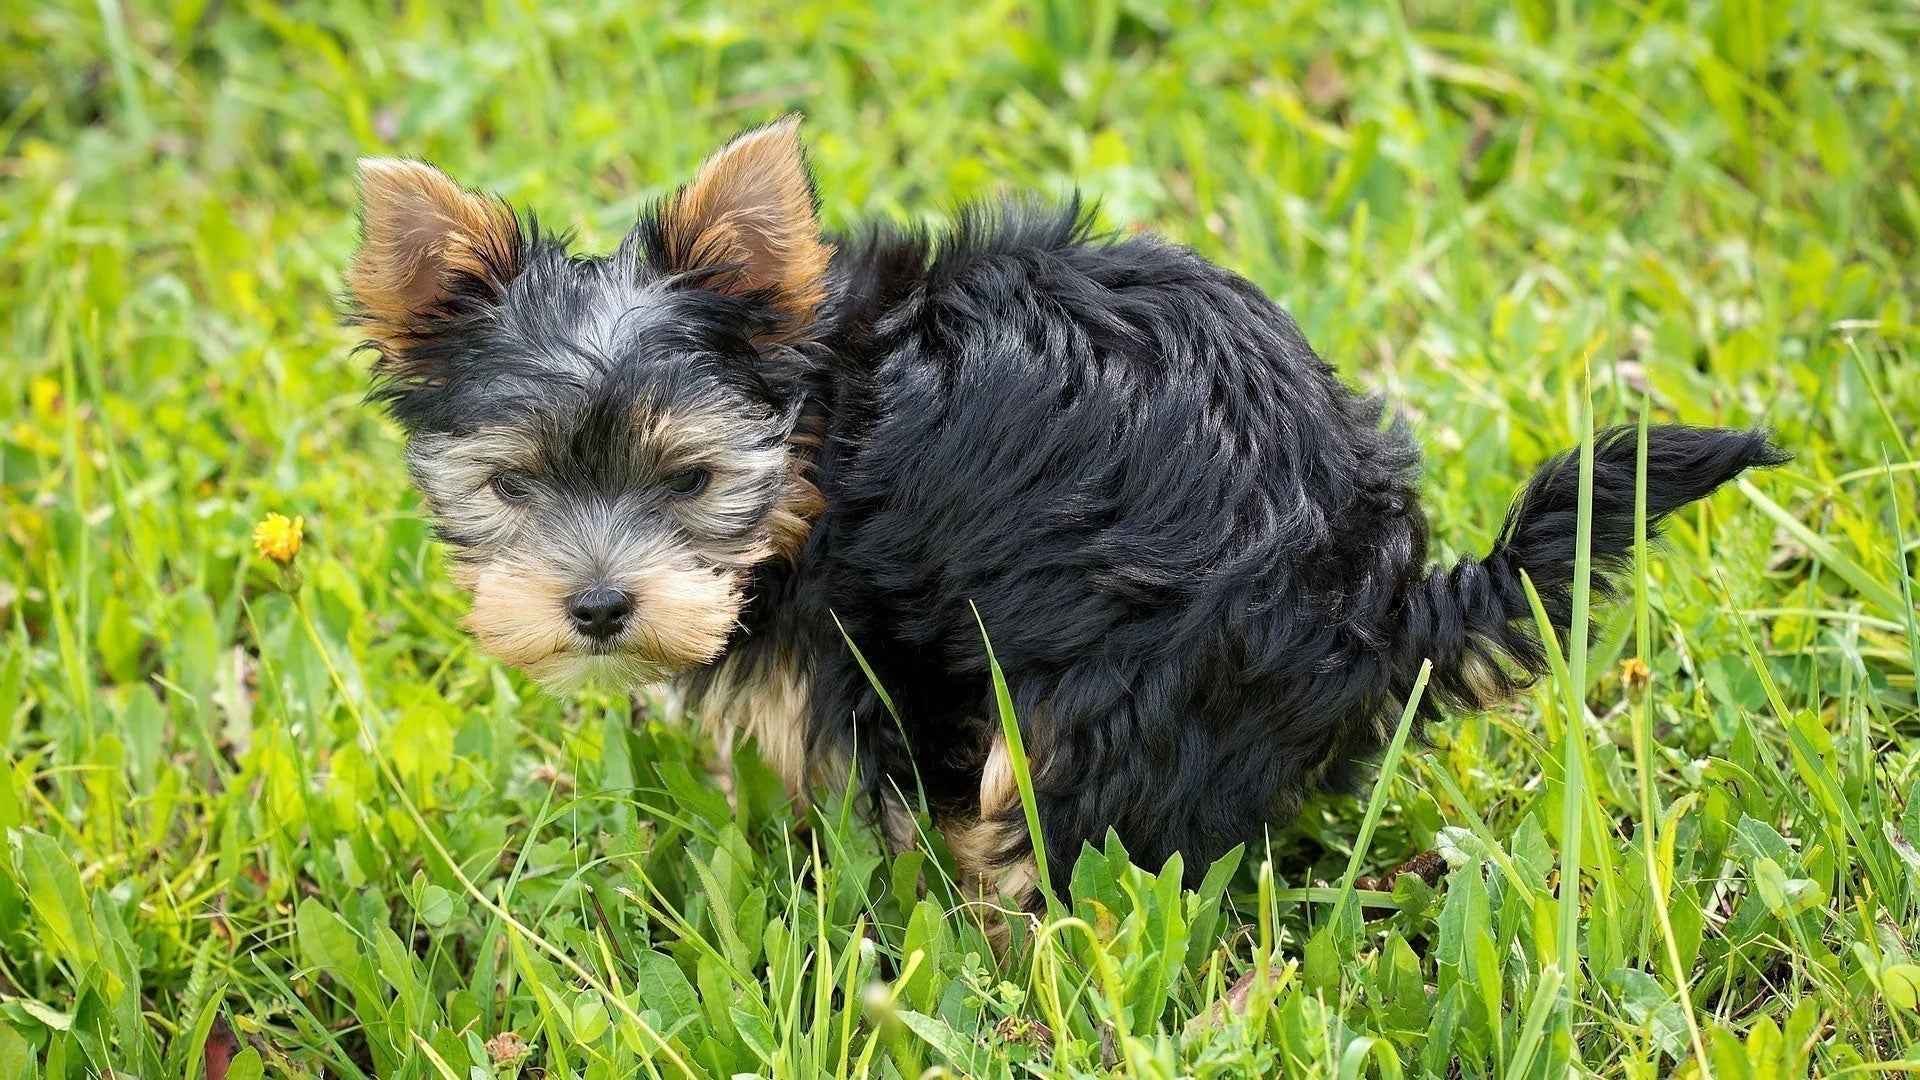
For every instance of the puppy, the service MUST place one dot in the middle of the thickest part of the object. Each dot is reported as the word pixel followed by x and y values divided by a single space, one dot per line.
pixel 706 457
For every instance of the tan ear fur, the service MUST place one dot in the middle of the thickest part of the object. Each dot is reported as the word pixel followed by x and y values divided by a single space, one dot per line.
pixel 418 230
pixel 750 213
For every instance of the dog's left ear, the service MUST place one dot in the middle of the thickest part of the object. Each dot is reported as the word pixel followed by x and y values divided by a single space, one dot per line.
pixel 750 220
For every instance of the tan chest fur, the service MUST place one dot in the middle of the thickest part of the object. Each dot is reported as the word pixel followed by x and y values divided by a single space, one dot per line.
pixel 766 700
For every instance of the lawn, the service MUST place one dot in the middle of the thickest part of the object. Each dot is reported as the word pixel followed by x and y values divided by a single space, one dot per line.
pixel 292 824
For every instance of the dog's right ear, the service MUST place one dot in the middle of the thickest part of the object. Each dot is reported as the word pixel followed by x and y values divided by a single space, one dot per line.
pixel 425 242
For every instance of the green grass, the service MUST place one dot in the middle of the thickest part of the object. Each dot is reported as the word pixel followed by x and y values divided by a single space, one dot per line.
pixel 326 821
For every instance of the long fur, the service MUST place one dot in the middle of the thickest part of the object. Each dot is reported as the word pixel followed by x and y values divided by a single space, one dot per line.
pixel 1200 556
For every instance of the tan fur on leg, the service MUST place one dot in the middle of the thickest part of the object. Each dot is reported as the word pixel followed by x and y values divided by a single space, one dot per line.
pixel 999 789
pixel 769 702
pixel 721 767
pixel 897 825
pixel 992 889
pixel 978 845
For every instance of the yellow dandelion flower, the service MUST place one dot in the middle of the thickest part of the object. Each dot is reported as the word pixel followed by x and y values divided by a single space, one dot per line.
pixel 278 539
pixel 1635 674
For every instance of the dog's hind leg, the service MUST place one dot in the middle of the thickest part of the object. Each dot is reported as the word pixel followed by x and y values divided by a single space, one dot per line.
pixel 994 884
pixel 992 851
pixel 897 826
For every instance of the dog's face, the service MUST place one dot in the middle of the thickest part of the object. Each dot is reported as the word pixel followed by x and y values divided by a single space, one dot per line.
pixel 604 442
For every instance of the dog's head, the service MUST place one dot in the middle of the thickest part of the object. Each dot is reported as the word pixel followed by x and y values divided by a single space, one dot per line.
pixel 604 442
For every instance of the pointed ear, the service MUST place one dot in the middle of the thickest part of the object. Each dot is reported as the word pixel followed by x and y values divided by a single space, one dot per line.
pixel 424 239
pixel 749 217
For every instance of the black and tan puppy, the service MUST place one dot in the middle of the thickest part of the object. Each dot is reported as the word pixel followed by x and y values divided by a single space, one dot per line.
pixel 1200 557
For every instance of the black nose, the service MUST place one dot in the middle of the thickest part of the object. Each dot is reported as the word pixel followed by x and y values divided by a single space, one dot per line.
pixel 599 613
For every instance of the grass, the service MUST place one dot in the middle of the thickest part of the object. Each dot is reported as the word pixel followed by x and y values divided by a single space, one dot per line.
pixel 319 833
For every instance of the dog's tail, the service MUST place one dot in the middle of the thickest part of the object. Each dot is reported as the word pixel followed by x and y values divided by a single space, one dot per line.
pixel 1473 619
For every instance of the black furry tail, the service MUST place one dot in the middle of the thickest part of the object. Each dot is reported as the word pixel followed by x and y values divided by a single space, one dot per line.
pixel 1473 619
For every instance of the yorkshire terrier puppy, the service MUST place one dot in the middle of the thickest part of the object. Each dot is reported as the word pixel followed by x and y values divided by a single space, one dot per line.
pixel 1200 557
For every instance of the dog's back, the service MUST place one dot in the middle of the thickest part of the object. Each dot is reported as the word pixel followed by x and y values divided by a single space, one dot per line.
pixel 1199 556
pixel 1182 533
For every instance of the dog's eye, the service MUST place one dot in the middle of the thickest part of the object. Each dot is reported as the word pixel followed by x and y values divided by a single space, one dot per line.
pixel 511 487
pixel 687 482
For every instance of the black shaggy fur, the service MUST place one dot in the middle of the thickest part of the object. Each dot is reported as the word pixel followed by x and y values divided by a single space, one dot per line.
pixel 1199 555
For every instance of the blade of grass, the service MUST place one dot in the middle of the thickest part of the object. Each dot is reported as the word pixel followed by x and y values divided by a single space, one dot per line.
pixel 1377 802
pixel 1022 775
pixel 1911 614
pixel 1658 891
pixel 1894 427
pixel 886 699
pixel 1824 549
pixel 1533 1028
pixel 1570 678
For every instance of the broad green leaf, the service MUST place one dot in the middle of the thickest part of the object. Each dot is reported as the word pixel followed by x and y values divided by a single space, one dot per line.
pixel 939 1036
pixel 330 944
pixel 52 885
pixel 436 906
pixel 1403 990
pixel 753 1033
pixel 118 640
pixel 246 1065
pixel 1902 984
pixel 927 935
pixel 16 1056
pixel 588 1017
